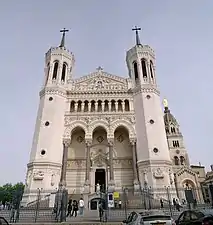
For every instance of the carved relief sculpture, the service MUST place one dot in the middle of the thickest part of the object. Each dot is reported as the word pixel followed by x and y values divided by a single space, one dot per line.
pixel 158 174
pixel 38 175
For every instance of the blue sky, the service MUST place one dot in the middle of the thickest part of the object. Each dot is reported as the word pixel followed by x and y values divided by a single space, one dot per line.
pixel 100 33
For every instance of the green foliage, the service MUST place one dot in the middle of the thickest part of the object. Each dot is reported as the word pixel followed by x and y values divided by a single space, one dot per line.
pixel 8 191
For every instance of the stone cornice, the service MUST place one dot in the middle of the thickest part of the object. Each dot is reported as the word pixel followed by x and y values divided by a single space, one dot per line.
pixel 148 89
pixel 40 164
pixel 110 113
pixel 96 92
pixel 154 162
pixel 53 91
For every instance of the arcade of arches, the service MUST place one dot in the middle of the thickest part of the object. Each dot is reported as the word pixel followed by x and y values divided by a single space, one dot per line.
pixel 100 160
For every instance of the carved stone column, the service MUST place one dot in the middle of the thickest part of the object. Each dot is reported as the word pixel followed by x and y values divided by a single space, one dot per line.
pixel 102 106
pixel 111 182
pixel 134 164
pixel 89 106
pixel 87 180
pixel 123 106
pixel 76 107
pixel 82 106
pixel 66 144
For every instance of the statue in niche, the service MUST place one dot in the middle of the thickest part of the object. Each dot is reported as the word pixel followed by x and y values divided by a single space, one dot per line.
pixel 158 174
pixel 98 188
pixel 53 177
pixel 171 177
pixel 145 177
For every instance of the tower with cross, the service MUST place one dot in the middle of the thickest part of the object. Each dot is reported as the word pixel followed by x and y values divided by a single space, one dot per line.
pixel 152 148
pixel 59 63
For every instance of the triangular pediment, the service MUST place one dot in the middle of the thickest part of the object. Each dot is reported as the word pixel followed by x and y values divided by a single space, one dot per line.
pixel 185 170
pixel 100 80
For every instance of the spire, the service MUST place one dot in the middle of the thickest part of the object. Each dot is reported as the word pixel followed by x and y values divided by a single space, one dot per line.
pixel 63 37
pixel 136 29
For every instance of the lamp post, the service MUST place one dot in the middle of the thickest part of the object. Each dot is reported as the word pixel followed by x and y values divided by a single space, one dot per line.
pixel 169 199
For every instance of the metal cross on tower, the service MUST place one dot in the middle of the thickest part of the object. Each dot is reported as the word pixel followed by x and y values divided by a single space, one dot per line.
pixel 63 37
pixel 136 29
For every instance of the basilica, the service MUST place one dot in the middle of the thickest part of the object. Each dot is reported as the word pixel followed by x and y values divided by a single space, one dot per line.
pixel 107 130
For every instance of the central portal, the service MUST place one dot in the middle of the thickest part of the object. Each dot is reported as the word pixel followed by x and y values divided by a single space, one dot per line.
pixel 100 178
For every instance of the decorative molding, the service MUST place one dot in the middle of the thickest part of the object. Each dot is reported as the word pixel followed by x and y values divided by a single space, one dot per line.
pixel 67 142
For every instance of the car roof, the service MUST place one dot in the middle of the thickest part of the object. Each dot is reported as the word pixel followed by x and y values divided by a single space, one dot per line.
pixel 204 211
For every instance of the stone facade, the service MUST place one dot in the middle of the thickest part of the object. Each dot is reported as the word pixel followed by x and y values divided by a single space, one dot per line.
pixel 102 124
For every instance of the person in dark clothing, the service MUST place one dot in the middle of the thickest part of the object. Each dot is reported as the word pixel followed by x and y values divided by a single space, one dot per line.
pixel 69 208
pixel 174 203
pixel 74 208
pixel 161 203
pixel 101 210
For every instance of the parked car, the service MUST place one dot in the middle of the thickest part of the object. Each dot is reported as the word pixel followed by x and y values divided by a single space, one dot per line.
pixel 157 218
pixel 3 221
pixel 198 217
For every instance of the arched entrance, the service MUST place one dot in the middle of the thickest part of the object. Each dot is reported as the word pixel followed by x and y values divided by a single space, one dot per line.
pixel 95 201
pixel 123 151
pixel 99 160
pixel 75 176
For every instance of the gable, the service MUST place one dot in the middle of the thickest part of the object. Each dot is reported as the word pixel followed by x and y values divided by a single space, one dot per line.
pixel 100 81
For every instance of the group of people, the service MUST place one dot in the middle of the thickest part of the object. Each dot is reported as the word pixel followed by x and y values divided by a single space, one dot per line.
pixel 75 206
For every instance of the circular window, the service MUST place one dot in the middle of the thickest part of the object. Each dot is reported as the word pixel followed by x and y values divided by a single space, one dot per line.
pixel 155 150
pixel 50 98
pixel 47 123
pixel 151 121
pixel 43 152
pixel 148 96
pixel 177 151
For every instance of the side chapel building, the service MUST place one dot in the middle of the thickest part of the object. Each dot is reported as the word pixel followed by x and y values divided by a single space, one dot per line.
pixel 105 129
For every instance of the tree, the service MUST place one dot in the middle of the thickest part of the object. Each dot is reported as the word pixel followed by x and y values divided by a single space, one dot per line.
pixel 9 191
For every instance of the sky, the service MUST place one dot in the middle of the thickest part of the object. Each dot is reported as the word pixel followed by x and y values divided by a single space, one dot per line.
pixel 179 31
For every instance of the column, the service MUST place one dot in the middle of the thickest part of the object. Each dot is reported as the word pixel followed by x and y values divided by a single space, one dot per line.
pixel 89 107
pixel 96 106
pixel 76 107
pixel 123 106
pixel 134 161
pixel 66 144
pixel 88 144
pixel 110 105
pixel 82 106
pixel 116 106
pixel 102 106
pixel 111 172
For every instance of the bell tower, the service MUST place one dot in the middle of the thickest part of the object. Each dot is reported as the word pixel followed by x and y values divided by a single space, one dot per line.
pixel 153 158
pixel 44 167
pixel 59 63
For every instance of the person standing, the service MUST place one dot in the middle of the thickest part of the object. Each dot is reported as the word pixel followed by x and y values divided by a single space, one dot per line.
pixel 81 206
pixel 69 208
pixel 74 208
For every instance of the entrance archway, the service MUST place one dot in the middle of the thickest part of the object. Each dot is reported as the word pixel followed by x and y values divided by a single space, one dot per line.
pixel 100 179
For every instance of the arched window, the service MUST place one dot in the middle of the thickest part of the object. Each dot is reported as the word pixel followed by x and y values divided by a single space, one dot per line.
pixel 167 130
pixel 182 160
pixel 63 72
pixel 151 69
pixel 143 64
pixel 172 129
pixel 55 70
pixel 127 108
pixel 48 72
pixel 135 65
pixel 176 160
